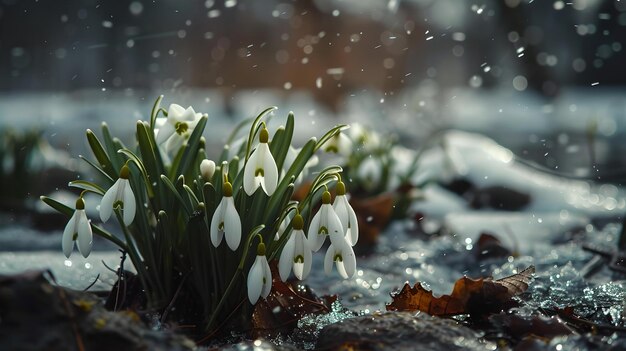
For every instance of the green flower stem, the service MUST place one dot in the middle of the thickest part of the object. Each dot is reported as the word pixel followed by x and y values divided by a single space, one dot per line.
pixel 135 258
pixel 155 111
pixel 255 232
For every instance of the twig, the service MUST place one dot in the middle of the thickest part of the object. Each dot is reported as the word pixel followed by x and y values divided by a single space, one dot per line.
pixel 92 283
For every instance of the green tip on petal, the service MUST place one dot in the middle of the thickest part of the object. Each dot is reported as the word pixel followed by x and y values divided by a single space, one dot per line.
pixel 125 172
pixel 298 222
pixel 80 204
pixel 227 189
pixel 260 250
pixel 341 188
pixel 325 198
pixel 264 136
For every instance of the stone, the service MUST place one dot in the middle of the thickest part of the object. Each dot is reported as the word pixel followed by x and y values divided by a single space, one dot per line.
pixel 400 331
pixel 36 314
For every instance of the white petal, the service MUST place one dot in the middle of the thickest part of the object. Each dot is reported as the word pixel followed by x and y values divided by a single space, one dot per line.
pixel 328 259
pixel 267 275
pixel 129 203
pixel 308 260
pixel 301 248
pixel 354 225
pixel 85 236
pixel 189 115
pixel 316 240
pixel 270 171
pixel 67 242
pixel 106 205
pixel 255 280
pixel 286 258
pixel 165 132
pixel 344 145
pixel 335 228
pixel 232 224
pixel 348 265
pixel 250 184
pixel 341 210
pixel 174 143
pixel 218 217
pixel 174 112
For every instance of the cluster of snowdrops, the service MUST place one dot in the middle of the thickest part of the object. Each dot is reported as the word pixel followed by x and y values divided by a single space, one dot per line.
pixel 188 222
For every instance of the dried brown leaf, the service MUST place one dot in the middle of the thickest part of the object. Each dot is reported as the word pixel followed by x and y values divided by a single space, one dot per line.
pixel 469 296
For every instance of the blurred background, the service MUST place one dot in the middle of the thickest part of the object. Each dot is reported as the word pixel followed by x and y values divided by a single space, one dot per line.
pixel 540 77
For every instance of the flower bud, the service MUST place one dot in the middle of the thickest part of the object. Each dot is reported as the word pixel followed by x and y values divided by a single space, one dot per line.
pixel 207 169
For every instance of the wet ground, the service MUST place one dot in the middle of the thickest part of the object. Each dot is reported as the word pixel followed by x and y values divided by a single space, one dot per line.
pixel 563 216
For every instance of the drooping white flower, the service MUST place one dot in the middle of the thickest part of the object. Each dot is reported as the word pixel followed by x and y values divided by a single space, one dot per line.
pixel 207 169
pixel 339 144
pixel 346 214
pixel 78 229
pixel 226 220
pixel 370 172
pixel 368 139
pixel 177 127
pixel 342 255
pixel 119 195
pixel 325 222
pixel 296 254
pixel 259 277
pixel 261 170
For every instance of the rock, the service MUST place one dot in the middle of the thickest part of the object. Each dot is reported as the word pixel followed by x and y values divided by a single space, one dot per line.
pixel 400 331
pixel 37 315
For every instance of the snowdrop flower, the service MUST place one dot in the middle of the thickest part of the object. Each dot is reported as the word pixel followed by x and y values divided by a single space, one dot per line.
pixel 368 139
pixel 78 229
pixel 370 172
pixel 259 277
pixel 261 170
pixel 325 222
pixel 226 220
pixel 207 169
pixel 346 214
pixel 119 195
pixel 339 144
pixel 342 255
pixel 177 127
pixel 296 253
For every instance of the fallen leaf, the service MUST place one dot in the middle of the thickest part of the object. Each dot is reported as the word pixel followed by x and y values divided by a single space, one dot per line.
pixel 469 296
pixel 489 246
pixel 286 305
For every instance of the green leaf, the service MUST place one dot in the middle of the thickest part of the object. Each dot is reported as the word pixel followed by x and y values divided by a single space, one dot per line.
pixel 192 195
pixel 111 147
pixel 100 154
pixel 142 170
pixel 174 191
pixel 97 168
pixel 254 128
pixel 192 146
pixel 149 153
pixel 155 111
pixel 331 133
pixel 282 141
pixel 89 186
